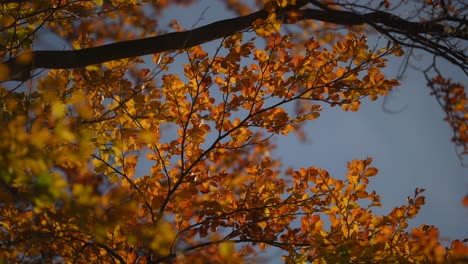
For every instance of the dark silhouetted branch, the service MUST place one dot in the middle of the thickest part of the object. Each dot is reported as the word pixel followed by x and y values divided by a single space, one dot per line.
pixel 384 22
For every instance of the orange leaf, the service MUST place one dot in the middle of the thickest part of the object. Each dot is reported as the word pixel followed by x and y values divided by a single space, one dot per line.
pixel 465 201
pixel 370 172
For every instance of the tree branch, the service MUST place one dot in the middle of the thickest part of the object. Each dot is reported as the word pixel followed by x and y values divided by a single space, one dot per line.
pixel 52 59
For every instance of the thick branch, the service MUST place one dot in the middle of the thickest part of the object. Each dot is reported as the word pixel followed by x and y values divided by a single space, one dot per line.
pixel 52 59
pixel 383 18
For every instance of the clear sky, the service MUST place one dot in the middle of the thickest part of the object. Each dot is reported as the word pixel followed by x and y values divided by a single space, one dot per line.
pixel 411 148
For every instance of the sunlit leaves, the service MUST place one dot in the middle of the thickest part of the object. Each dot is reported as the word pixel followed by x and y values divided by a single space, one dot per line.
pixel 173 161
pixel 362 235
pixel 267 27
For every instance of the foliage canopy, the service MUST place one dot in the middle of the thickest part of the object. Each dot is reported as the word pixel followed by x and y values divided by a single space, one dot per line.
pixel 113 157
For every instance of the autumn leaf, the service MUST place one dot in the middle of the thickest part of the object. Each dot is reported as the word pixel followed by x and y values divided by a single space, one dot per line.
pixel 112 156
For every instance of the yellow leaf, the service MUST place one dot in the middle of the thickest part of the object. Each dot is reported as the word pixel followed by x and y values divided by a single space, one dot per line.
pixel 262 224
pixel 265 28
pixel 282 3
pixel 226 249
pixel 334 209
pixel 300 258
pixel 64 133
pixel 58 109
